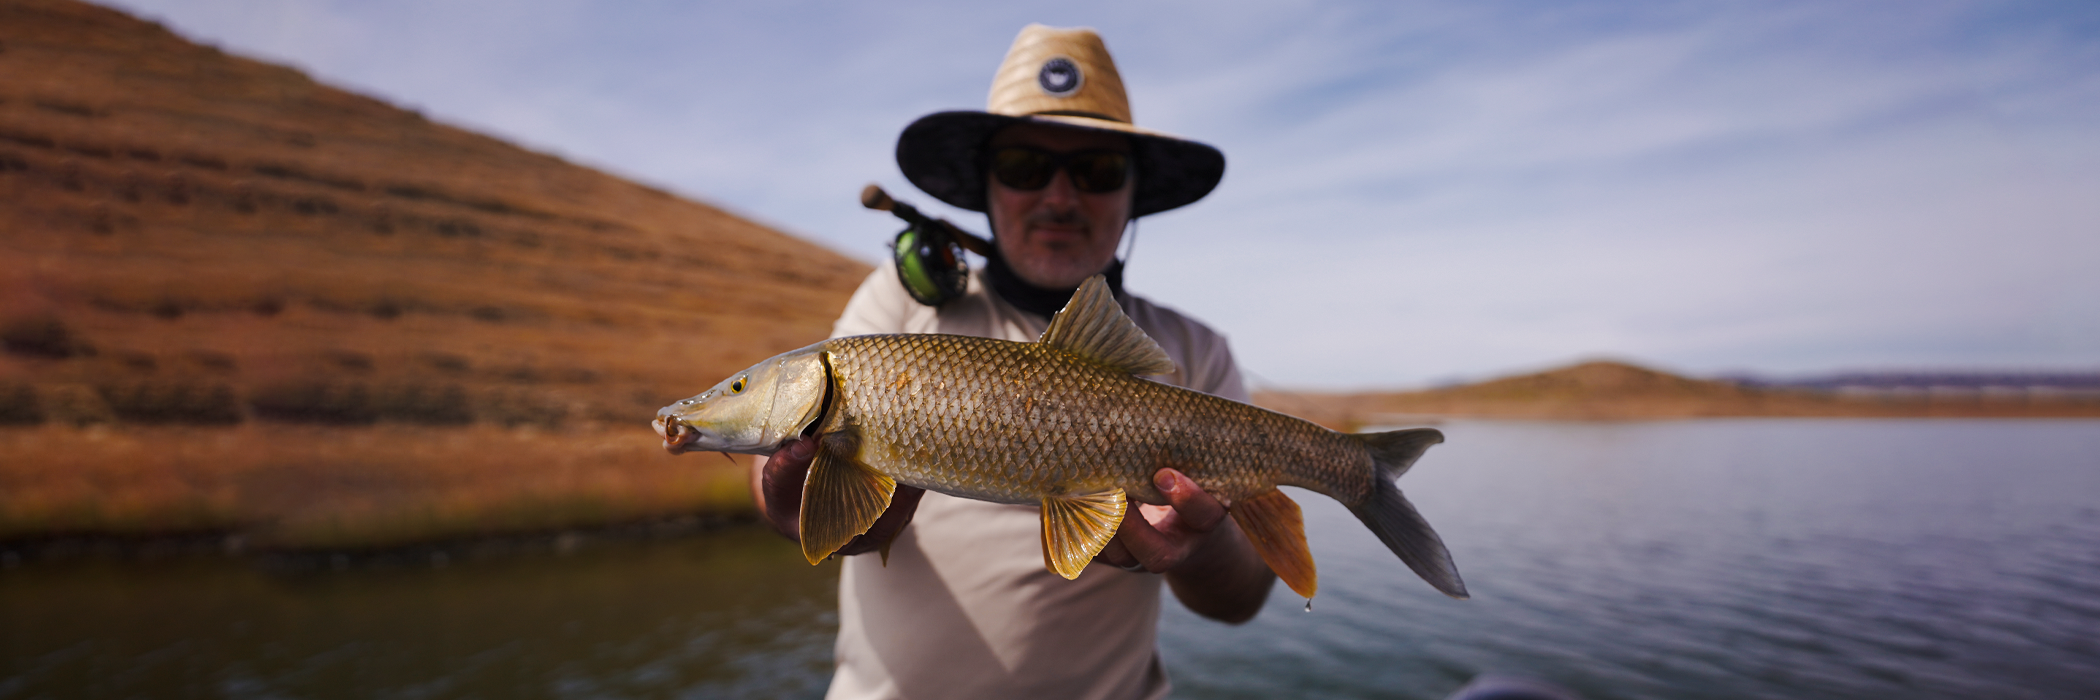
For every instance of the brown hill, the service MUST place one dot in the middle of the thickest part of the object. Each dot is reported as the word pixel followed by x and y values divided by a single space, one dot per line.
pixel 1619 391
pixel 212 251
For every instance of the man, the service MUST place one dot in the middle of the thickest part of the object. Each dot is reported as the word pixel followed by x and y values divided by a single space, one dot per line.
pixel 964 608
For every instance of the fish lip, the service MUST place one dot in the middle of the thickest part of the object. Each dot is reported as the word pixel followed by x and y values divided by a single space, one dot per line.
pixel 677 436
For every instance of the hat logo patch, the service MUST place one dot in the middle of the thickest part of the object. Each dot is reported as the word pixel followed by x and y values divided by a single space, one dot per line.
pixel 1059 77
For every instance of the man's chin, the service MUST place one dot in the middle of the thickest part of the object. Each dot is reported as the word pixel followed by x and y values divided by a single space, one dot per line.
pixel 1055 260
pixel 1062 277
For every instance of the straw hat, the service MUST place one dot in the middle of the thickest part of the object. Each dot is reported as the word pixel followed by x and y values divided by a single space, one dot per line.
pixel 1063 77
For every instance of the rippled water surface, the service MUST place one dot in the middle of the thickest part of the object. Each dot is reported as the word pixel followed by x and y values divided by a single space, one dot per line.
pixel 733 614
pixel 1698 559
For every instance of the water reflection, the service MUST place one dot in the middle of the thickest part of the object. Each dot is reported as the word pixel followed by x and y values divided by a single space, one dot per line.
pixel 1706 559
pixel 731 614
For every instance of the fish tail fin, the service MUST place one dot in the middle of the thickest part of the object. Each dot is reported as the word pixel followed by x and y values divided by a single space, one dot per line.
pixel 1394 520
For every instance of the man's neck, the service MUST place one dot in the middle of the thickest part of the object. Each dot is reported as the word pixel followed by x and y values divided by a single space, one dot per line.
pixel 1033 299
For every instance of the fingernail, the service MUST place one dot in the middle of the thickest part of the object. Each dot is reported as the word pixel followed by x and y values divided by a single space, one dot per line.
pixel 1164 480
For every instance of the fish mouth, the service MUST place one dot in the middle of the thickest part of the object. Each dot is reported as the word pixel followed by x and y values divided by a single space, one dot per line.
pixel 677 435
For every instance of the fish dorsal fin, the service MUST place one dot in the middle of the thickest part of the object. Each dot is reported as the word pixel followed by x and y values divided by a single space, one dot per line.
pixel 1277 531
pixel 1075 528
pixel 1093 327
pixel 841 497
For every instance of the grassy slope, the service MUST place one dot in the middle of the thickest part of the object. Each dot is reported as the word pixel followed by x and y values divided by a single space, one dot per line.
pixel 232 292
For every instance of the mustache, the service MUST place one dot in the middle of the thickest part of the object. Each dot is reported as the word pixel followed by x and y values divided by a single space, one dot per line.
pixel 1056 217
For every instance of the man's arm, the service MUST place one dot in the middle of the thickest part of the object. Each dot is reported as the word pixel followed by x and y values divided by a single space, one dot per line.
pixel 1209 564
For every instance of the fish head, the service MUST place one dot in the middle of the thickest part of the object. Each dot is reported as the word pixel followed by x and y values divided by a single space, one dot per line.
pixel 753 411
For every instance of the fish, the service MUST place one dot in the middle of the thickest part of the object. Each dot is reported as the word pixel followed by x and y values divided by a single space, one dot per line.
pixel 1068 422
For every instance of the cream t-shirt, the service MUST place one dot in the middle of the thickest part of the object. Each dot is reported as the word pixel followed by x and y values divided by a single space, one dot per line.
pixel 965 608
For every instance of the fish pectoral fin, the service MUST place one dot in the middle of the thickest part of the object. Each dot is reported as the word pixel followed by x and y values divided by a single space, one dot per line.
pixel 1075 528
pixel 841 498
pixel 1273 524
pixel 1092 326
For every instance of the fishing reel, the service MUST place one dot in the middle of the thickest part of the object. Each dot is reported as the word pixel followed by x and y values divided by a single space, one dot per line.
pixel 930 265
pixel 928 252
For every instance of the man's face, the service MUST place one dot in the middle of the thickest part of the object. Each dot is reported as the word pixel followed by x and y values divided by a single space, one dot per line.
pixel 1058 236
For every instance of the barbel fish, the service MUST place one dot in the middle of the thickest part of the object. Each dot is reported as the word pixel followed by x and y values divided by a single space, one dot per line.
pixel 1066 422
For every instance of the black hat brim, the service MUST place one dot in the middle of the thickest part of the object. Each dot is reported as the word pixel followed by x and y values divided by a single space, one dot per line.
pixel 943 154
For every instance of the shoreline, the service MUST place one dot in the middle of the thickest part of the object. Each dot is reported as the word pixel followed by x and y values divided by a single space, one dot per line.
pixel 290 488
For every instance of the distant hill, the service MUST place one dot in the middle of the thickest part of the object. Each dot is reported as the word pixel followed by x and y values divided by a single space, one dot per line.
pixel 194 239
pixel 1944 382
pixel 1619 391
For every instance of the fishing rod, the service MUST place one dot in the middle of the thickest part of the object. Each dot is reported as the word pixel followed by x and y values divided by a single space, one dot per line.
pixel 928 251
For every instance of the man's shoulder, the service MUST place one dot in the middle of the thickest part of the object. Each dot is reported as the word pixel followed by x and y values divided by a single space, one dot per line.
pixel 1202 356
pixel 1159 319
pixel 878 305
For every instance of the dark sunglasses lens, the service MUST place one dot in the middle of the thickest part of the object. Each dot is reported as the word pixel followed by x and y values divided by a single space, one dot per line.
pixel 1098 172
pixel 1022 169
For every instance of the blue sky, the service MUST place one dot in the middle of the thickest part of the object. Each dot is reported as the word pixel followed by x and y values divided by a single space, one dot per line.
pixel 1416 192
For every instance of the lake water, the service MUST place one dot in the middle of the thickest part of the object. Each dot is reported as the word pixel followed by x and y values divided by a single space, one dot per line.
pixel 1689 559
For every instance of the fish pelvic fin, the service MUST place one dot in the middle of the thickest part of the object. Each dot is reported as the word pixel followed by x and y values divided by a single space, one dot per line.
pixel 1394 520
pixel 1075 528
pixel 841 498
pixel 1093 327
pixel 1273 524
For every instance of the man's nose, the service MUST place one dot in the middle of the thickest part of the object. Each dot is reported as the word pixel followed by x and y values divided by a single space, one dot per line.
pixel 1060 193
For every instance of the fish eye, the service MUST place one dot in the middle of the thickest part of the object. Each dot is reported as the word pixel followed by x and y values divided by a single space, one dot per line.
pixel 737 387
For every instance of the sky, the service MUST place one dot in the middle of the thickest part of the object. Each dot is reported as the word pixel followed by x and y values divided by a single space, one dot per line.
pixel 1416 193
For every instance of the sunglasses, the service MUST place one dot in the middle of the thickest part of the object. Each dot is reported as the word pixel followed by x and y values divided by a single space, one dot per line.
pixel 1028 168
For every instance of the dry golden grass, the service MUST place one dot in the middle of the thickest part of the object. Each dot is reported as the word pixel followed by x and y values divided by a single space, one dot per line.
pixel 236 299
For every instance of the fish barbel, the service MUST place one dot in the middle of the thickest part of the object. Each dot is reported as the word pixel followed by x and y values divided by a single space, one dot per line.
pixel 1066 422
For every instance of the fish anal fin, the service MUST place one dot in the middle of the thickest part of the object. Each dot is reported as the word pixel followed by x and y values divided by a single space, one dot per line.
pixel 1273 524
pixel 1093 327
pixel 841 498
pixel 1075 528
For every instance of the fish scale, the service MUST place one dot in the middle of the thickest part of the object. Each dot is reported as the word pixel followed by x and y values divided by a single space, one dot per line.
pixel 1077 428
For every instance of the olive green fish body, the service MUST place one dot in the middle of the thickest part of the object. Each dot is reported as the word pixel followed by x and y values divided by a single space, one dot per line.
pixel 1011 422
pixel 1066 422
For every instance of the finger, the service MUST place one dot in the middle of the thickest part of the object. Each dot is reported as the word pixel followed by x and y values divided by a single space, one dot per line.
pixel 1144 543
pixel 794 454
pixel 1117 555
pixel 904 503
pixel 1193 508
pixel 780 479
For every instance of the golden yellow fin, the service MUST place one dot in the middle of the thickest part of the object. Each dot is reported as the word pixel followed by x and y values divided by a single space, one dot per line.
pixel 1075 528
pixel 1093 327
pixel 841 498
pixel 1272 522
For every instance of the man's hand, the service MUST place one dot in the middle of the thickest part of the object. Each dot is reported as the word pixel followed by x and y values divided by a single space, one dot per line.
pixel 776 484
pixel 1210 566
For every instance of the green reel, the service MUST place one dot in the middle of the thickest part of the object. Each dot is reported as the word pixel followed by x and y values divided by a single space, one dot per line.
pixel 930 265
